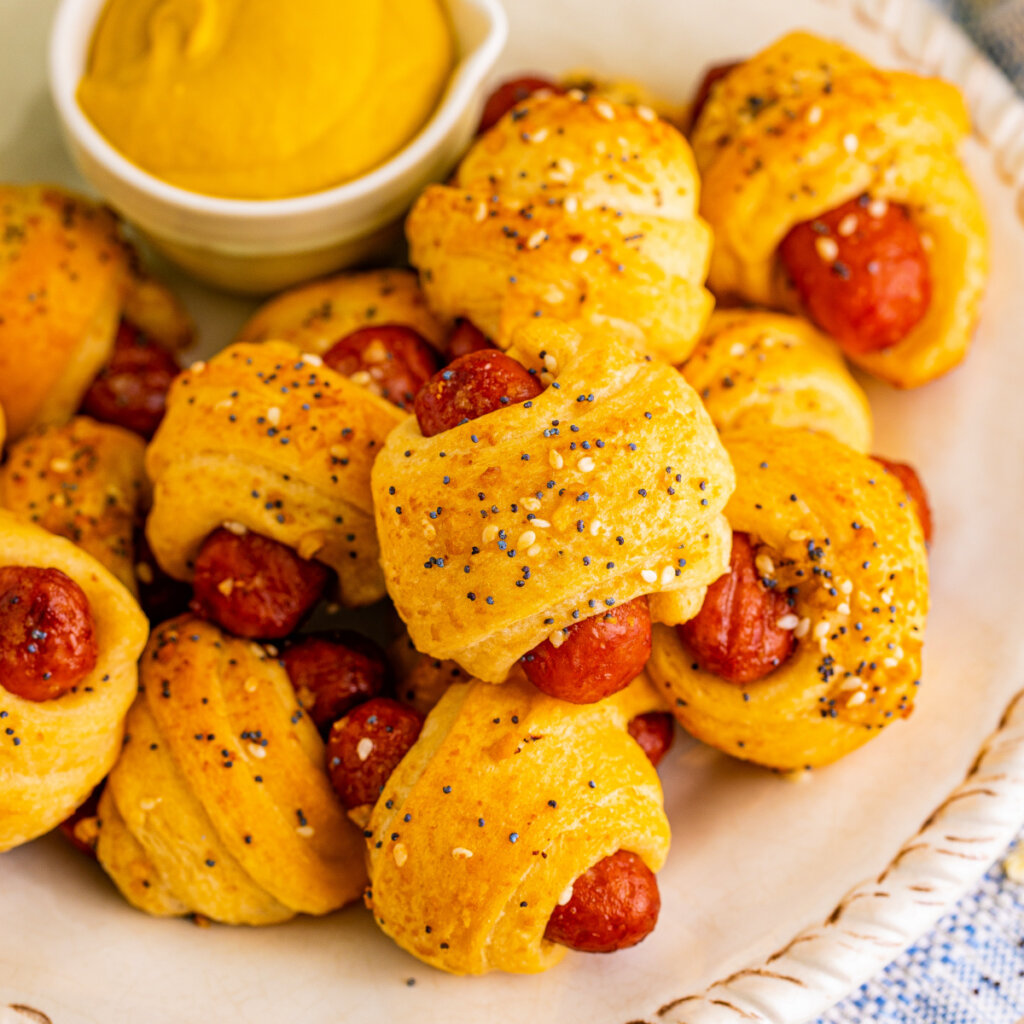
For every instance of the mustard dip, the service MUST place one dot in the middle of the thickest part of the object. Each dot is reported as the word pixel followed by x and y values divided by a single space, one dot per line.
pixel 262 99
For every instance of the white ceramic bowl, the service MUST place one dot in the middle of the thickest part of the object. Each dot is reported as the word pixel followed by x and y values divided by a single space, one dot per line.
pixel 260 246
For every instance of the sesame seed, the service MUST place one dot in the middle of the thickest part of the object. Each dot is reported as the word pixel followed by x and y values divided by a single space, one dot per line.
pixel 563 170
pixel 850 142
pixel 814 115
pixel 526 538
pixel 646 114
pixel 802 628
pixel 789 621
pixel 461 853
pixel 306 831
pixel 579 255
pixel 556 638
pixel 312 359
pixel 858 698
pixel 375 352
pixel 847 225
pixel 878 208
pixel 537 239
pixel 273 415
pixel 481 213
pixel 604 110
pixel 821 629
pixel 827 248
pixel 400 853
pixel 556 460
pixel 490 532
pixel 571 204
pixel 364 748
pixel 586 464
pixel 649 576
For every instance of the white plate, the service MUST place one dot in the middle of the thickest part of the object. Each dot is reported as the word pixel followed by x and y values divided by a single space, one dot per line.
pixel 755 859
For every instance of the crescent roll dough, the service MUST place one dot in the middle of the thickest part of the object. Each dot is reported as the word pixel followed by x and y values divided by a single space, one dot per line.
pixel 627 91
pixel 502 530
pixel 840 530
pixel 506 799
pixel 220 804
pixel 573 207
pixel 807 125
pixel 66 277
pixel 315 316
pixel 755 369
pixel 269 438
pixel 85 481
pixel 52 753
pixel 420 680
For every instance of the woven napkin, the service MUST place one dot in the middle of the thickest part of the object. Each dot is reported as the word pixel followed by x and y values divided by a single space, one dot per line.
pixel 997 26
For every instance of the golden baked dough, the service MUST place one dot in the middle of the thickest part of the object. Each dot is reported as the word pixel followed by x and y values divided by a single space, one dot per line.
pixel 315 316
pixel 268 438
pixel 608 485
pixel 807 125
pixel 420 680
pixel 506 799
pixel 66 277
pixel 572 207
pixel 220 804
pixel 85 481
pixel 840 529
pixel 52 753
pixel 154 309
pixel 756 369
pixel 628 92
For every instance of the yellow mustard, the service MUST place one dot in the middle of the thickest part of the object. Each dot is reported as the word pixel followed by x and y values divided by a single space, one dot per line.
pixel 262 99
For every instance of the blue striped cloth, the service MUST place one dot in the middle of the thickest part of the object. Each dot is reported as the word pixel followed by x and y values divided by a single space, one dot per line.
pixel 970 968
pixel 997 26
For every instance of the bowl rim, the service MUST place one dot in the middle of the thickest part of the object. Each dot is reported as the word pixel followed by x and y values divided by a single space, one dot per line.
pixel 71 35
